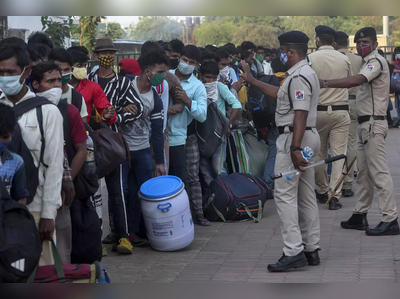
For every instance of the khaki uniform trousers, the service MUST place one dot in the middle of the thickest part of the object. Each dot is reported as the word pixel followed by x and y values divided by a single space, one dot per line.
pixel 333 127
pixel 295 199
pixel 373 171
pixel 47 253
pixel 351 145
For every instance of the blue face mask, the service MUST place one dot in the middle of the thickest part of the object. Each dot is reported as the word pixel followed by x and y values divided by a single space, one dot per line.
pixel 185 69
pixel 3 146
pixel 283 58
pixel 10 85
pixel 398 56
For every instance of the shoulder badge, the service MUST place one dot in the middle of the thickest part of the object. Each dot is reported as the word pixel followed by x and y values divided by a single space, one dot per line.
pixel 299 94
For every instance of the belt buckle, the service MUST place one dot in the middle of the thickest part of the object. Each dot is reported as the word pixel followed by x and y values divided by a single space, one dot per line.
pixel 329 111
pixel 286 129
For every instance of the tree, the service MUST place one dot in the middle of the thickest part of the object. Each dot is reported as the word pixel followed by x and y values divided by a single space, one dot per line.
pixel 58 32
pixel 395 33
pixel 216 33
pixel 157 28
pixel 258 34
pixel 113 31
pixel 88 26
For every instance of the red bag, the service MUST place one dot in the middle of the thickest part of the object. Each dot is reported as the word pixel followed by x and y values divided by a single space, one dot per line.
pixel 58 273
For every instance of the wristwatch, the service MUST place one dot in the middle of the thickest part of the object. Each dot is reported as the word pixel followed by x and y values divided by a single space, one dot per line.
pixel 325 84
pixel 294 148
pixel 230 126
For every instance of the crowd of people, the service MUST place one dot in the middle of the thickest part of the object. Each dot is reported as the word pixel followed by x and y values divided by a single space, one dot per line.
pixel 331 99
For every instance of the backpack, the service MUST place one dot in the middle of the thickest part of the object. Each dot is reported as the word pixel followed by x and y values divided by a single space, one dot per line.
pixel 395 83
pixel 236 197
pixel 85 182
pixel 211 132
pixel 18 146
pixel 20 243
pixel 262 106
pixel 76 99
pixel 86 233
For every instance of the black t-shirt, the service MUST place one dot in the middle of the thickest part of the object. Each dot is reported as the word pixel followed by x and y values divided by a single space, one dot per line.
pixel 104 81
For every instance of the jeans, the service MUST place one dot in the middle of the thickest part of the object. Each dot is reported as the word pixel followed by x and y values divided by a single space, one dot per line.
pixel 397 105
pixel 269 170
pixel 210 167
pixel 177 165
pixel 142 170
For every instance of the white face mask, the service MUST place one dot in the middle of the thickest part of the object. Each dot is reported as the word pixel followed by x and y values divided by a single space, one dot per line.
pixel 224 72
pixel 212 91
pixel 53 95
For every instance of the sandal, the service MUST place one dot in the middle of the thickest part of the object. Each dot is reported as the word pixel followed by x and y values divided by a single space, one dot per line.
pixel 138 242
pixel 203 221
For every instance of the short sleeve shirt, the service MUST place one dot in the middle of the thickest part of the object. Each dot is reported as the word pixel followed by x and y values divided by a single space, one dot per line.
pixel 356 62
pixel 304 95
pixel 68 96
pixel 373 96
pixel 78 132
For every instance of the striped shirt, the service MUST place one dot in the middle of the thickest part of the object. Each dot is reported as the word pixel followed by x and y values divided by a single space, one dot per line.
pixel 119 92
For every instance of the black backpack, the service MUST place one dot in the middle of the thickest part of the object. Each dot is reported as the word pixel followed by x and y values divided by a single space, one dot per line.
pixel 86 233
pixel 20 243
pixel 18 146
pixel 210 132
pixel 262 106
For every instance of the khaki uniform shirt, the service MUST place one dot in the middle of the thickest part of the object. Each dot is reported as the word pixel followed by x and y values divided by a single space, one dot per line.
pixel 356 63
pixel 330 64
pixel 303 96
pixel 373 96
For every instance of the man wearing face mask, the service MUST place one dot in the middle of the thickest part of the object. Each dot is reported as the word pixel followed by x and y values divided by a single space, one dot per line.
pixel 333 119
pixel 184 161
pixel 63 59
pixel 153 66
pixel 295 117
pixel 46 81
pixel 120 94
pixel 91 92
pixel 260 57
pixel 175 53
pixel 256 65
pixel 218 93
pixel 14 69
pixel 371 105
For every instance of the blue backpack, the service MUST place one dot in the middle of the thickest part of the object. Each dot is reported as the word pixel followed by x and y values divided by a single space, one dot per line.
pixel 395 83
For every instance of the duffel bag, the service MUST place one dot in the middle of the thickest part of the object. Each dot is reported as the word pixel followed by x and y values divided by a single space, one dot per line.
pixel 236 197
pixel 59 273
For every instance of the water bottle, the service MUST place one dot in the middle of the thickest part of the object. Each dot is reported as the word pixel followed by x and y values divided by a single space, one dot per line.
pixel 307 153
pixel 90 163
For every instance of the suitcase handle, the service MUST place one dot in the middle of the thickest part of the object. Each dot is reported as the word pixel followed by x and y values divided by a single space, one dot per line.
pixel 164 207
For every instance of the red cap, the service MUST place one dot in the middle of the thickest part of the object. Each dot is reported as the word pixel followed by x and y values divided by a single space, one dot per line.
pixel 130 65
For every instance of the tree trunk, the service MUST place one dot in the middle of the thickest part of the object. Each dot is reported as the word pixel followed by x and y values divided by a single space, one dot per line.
pixel 3 27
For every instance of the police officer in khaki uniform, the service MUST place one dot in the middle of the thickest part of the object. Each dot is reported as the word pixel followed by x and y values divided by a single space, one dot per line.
pixel 295 117
pixel 333 119
pixel 341 44
pixel 371 105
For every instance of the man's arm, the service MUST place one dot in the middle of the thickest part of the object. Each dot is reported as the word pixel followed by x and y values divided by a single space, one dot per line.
pixel 127 97
pixel 100 102
pixel 157 136
pixel 269 90
pixel 347 82
pixel 198 109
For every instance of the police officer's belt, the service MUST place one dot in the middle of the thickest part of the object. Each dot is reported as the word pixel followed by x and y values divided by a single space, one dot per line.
pixel 281 129
pixel 364 118
pixel 352 97
pixel 334 108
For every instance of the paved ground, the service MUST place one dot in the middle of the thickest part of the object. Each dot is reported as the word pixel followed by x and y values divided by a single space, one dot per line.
pixel 241 251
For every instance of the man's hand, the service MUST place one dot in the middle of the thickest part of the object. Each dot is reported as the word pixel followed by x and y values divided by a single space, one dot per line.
pixel 225 81
pixel 321 83
pixel 228 132
pixel 180 94
pixel 46 229
pixel 108 112
pixel 238 84
pixel 247 76
pixel 396 71
pixel 160 170
pixel 298 160
pixel 69 193
pixel 131 108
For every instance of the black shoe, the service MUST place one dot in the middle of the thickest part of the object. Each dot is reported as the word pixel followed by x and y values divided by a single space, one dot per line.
pixel 110 239
pixel 313 257
pixel 356 221
pixel 334 204
pixel 288 262
pixel 347 192
pixel 322 198
pixel 384 229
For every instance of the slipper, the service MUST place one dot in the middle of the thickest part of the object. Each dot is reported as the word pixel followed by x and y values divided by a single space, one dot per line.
pixel 138 242
pixel 203 222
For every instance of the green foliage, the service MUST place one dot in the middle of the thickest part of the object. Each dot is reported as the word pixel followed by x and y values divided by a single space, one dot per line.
pixel 58 32
pixel 395 33
pixel 113 31
pixel 88 31
pixel 216 33
pixel 156 28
